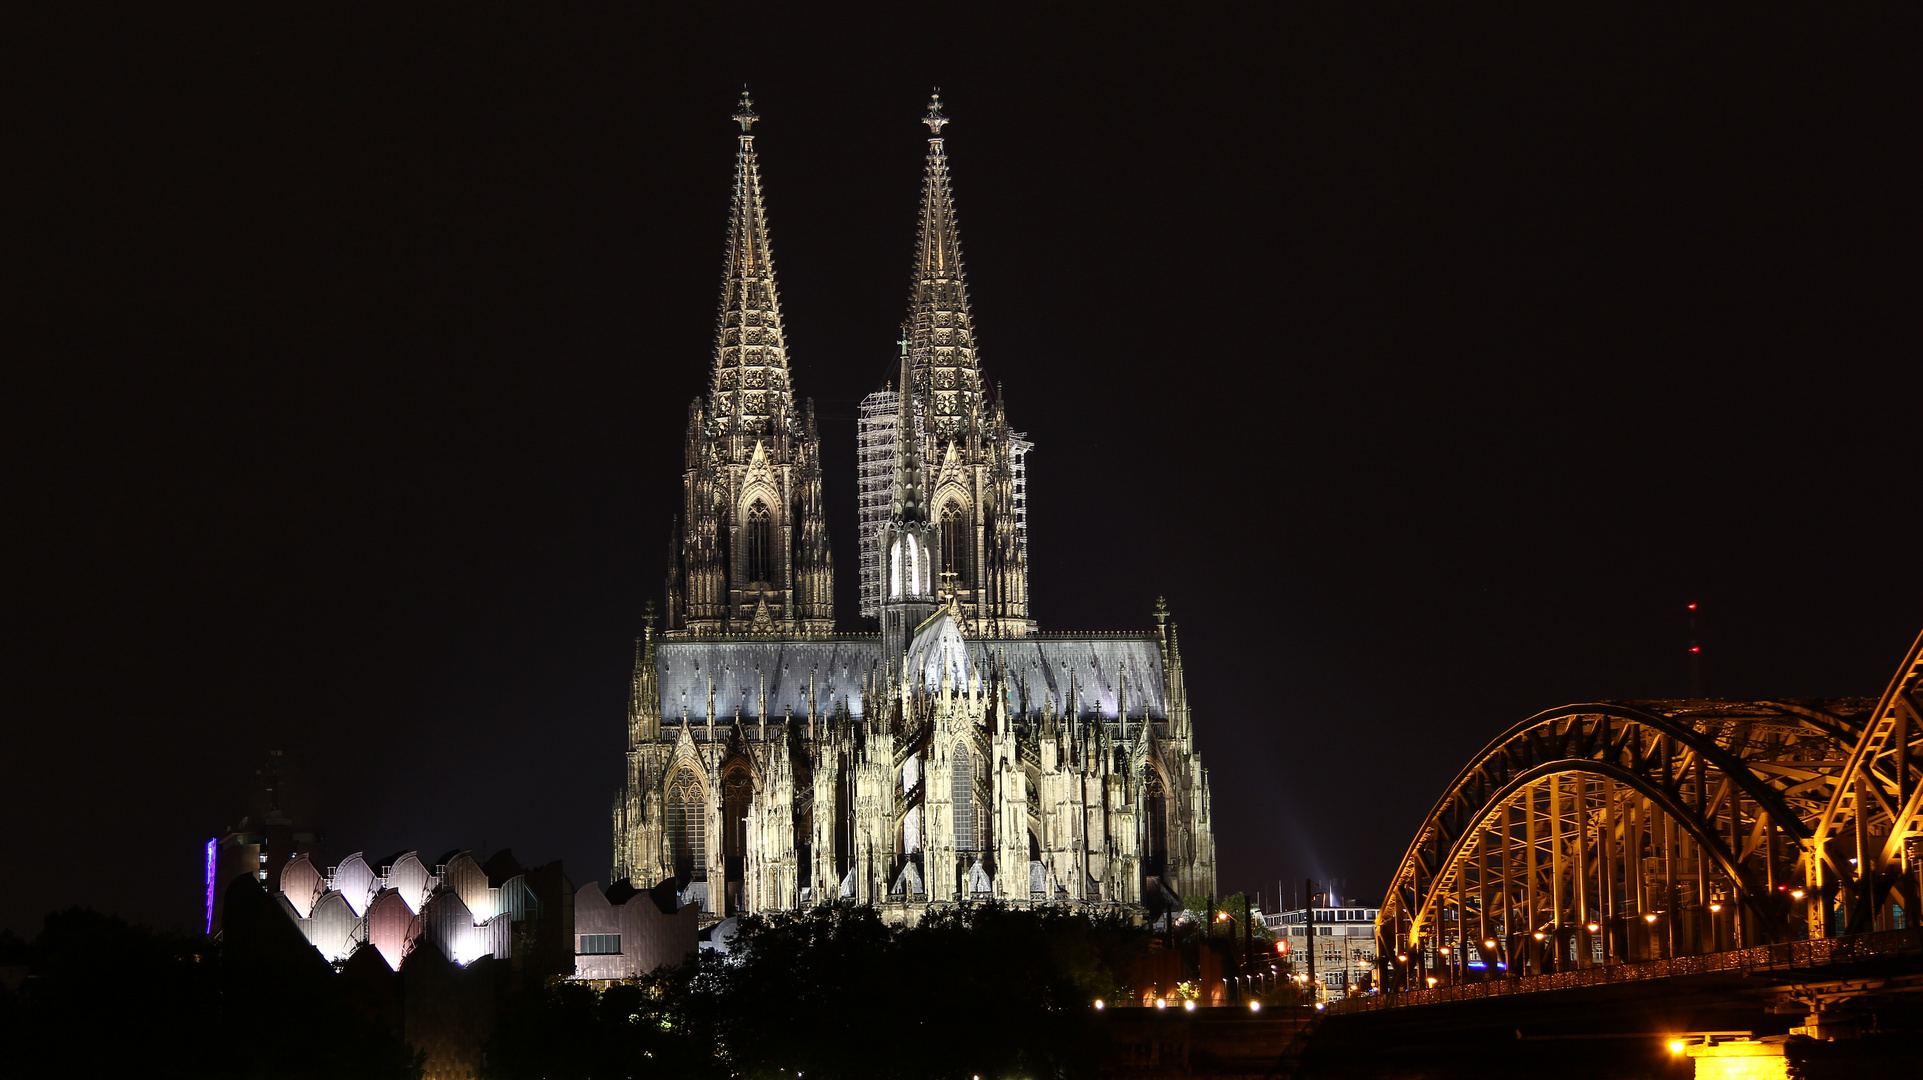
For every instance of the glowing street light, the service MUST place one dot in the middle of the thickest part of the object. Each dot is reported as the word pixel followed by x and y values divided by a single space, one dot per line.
pixel 1255 1006
pixel 1649 916
pixel 1489 944
pixel 1676 1046
pixel 1189 1005
pixel 1099 1005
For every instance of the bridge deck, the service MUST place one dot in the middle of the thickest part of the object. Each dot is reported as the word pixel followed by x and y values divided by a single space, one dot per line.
pixel 1785 960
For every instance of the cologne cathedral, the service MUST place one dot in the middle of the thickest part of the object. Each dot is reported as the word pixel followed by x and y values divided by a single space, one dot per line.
pixel 953 753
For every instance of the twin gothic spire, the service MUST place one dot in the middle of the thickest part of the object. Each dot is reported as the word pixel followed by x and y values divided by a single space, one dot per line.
pixel 749 392
pixel 752 554
pixel 941 330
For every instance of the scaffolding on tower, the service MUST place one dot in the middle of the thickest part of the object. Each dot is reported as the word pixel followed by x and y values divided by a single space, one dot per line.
pixel 1018 448
pixel 875 459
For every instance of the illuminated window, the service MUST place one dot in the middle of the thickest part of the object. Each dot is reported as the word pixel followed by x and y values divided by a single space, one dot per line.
pixel 687 827
pixel 894 571
pixel 600 944
pixel 964 781
pixel 914 567
pixel 758 544
pixel 954 542
pixel 1157 813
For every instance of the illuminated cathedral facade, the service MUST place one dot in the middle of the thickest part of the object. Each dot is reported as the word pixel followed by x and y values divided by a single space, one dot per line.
pixel 953 753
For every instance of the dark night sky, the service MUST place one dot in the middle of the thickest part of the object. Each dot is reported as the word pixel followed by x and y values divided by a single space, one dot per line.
pixel 1427 362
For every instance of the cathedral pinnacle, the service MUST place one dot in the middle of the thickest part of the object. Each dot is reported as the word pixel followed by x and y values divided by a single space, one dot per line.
pixel 746 115
pixel 935 120
pixel 909 504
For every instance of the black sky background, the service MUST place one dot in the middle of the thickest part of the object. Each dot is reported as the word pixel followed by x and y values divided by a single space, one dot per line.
pixel 1428 362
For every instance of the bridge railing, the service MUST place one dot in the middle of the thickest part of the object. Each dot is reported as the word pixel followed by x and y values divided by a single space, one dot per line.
pixel 1792 955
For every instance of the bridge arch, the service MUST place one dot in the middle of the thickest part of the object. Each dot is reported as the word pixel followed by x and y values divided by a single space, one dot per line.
pixel 1614 830
pixel 1864 864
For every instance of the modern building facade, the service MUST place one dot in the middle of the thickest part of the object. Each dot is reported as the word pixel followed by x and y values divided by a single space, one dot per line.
pixel 1343 939
pixel 955 752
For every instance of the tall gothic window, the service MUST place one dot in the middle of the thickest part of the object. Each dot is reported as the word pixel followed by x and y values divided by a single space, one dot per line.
pixel 967 837
pixel 954 543
pixel 894 570
pixel 844 820
pixel 687 834
pixel 758 544
pixel 914 567
pixel 737 791
pixel 1157 813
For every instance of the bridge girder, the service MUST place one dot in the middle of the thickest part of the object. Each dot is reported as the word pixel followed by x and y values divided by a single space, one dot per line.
pixel 1569 814
pixel 1866 849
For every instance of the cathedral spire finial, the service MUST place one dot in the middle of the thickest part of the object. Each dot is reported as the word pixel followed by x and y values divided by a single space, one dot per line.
pixel 935 120
pixel 745 115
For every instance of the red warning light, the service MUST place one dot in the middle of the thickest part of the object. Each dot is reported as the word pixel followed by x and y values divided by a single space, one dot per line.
pixel 1692 607
pixel 1695 648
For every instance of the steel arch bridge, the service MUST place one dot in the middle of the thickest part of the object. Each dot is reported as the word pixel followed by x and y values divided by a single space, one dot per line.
pixel 1638 830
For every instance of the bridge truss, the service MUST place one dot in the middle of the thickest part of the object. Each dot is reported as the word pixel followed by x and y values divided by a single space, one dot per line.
pixel 1625 831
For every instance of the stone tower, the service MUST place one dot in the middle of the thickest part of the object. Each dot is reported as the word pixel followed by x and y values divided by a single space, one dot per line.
pixel 752 548
pixel 976 463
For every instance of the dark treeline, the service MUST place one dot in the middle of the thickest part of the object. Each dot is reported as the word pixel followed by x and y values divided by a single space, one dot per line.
pixel 835 993
pixel 103 998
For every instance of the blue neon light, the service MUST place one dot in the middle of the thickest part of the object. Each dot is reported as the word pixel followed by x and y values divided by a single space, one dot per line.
pixel 213 852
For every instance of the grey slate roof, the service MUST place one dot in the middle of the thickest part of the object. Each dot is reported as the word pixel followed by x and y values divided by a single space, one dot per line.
pixel 1038 669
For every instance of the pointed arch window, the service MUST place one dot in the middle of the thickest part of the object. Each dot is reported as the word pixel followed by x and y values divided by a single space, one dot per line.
pixel 1157 814
pixel 894 571
pixel 967 833
pixel 914 567
pixel 954 542
pixel 687 831
pixel 737 794
pixel 758 544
